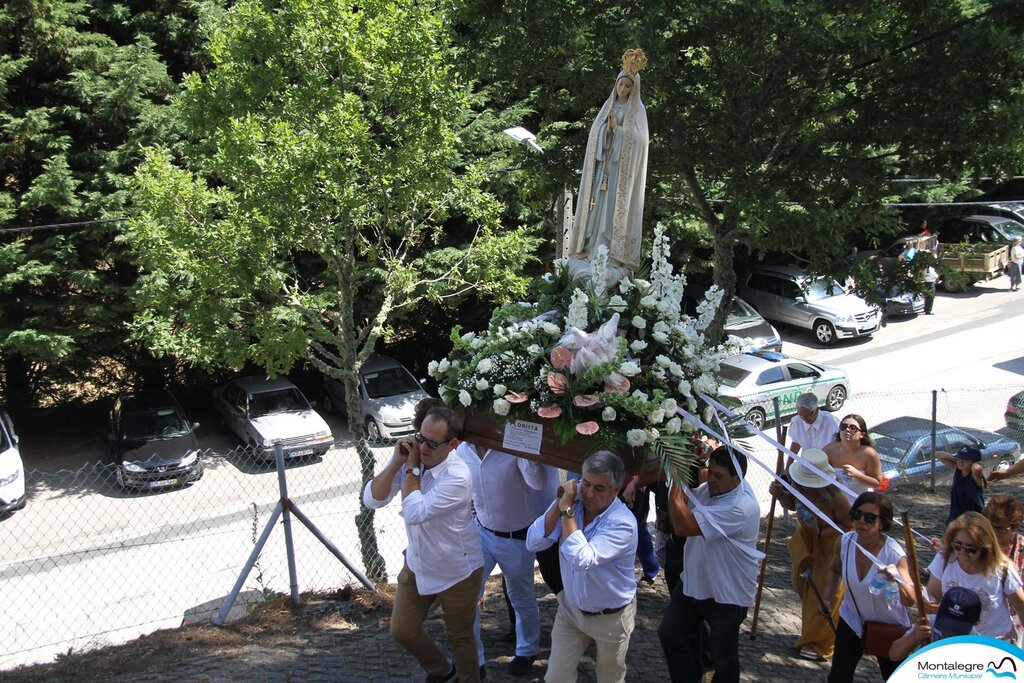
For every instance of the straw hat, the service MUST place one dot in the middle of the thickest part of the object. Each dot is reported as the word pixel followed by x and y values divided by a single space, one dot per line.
pixel 804 476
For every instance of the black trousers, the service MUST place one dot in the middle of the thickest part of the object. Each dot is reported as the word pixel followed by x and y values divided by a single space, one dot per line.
pixel 680 635
pixel 849 650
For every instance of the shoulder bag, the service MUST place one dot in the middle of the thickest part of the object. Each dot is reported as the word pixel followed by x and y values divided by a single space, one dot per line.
pixel 878 635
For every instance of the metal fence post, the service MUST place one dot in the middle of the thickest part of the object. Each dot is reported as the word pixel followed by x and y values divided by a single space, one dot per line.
pixel 935 403
pixel 286 505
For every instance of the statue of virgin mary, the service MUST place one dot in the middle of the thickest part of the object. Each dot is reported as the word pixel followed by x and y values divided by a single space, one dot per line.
pixel 610 204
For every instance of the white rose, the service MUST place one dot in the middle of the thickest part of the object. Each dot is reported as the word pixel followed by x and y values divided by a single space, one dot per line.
pixel 660 337
pixel 551 328
pixel 669 405
pixel 501 406
pixel 482 384
pixel 658 373
pixel 673 426
pixel 676 369
pixel 649 301
pixel 656 416
pixel 476 343
pixel 608 414
pixel 636 437
pixel 662 326
pixel 617 303
pixel 638 345
pixel 640 395
pixel 663 361
pixel 464 397
pixel 684 388
pixel 625 285
pixel 469 336
pixel 629 368
pixel 432 368
pixel 484 366
pixel 500 390
pixel 642 285
pixel 653 435
pixel 443 365
pixel 638 322
pixel 534 350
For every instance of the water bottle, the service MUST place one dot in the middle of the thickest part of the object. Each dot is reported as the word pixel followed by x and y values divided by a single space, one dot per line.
pixel 892 593
pixel 878 581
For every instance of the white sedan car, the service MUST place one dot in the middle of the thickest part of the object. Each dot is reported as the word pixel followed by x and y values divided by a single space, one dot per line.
pixel 751 380
pixel 12 470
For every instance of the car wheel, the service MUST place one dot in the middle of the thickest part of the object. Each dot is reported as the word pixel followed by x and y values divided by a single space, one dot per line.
pixel 825 332
pixel 950 286
pixel 756 417
pixel 836 398
pixel 372 430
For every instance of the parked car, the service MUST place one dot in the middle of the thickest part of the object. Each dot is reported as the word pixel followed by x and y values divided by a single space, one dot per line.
pixel 154 445
pixel 751 380
pixel 1012 209
pixel 262 412
pixel 901 302
pixel 979 229
pixel 1015 412
pixel 904 445
pixel 746 323
pixel 388 393
pixel 12 470
pixel 819 304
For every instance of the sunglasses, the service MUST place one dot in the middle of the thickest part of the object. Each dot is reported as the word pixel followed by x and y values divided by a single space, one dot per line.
pixel 966 549
pixel 847 427
pixel 1002 529
pixel 869 517
pixel 430 442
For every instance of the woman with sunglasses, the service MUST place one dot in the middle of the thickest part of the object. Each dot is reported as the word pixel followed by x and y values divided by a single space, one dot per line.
pixel 854 456
pixel 871 514
pixel 1005 514
pixel 971 558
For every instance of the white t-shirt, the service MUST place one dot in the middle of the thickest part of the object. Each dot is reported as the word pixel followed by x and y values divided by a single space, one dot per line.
pixel 872 607
pixel 816 435
pixel 713 566
pixel 991 589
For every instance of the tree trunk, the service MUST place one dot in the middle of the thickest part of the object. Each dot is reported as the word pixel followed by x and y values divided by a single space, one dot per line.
pixel 724 275
pixel 373 562
pixel 18 391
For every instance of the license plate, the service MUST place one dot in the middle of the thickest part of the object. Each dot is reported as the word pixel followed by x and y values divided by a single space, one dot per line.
pixel 304 451
pixel 163 483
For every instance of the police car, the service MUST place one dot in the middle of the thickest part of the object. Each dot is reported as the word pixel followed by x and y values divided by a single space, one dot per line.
pixel 749 381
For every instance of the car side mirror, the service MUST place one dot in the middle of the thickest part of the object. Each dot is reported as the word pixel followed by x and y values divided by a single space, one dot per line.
pixel 800 300
pixel 423 381
pixel 195 426
pixel 15 439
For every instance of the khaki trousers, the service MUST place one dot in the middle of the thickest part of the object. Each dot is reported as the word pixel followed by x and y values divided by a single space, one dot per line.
pixel 458 607
pixel 571 634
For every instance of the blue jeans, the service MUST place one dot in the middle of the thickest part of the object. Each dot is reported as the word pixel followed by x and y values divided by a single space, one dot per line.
pixel 516 564
pixel 644 544
pixel 679 633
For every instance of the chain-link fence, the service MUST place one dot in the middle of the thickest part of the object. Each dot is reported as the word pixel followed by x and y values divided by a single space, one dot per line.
pixel 89 562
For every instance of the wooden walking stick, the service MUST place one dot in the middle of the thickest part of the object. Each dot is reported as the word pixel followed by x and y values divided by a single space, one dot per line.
pixel 915 572
pixel 780 431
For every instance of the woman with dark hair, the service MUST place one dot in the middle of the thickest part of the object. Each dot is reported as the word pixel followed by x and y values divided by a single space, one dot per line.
pixel 854 457
pixel 1005 513
pixel 872 517
pixel 970 557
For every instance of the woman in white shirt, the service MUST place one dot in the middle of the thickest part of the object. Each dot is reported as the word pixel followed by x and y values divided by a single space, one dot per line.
pixel 871 513
pixel 971 558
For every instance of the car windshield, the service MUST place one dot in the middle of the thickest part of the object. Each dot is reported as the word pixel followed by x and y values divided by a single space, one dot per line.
pixel 277 401
pixel 389 382
pixel 1011 228
pixel 822 288
pixel 741 311
pixel 732 375
pixel 162 423
pixel 891 449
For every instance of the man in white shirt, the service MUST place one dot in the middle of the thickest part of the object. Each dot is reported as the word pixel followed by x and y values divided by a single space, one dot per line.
pixel 812 427
pixel 443 561
pixel 503 487
pixel 597 536
pixel 720 570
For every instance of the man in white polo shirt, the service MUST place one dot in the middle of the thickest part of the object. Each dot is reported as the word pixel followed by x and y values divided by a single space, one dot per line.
pixel 443 561
pixel 719 570
pixel 811 427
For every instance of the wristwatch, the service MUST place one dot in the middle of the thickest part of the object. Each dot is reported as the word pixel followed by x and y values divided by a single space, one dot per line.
pixel 568 512
pixel 414 471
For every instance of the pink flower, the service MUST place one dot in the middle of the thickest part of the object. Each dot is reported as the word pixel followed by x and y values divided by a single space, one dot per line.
pixel 616 384
pixel 515 397
pixel 584 400
pixel 587 428
pixel 558 382
pixel 560 358
pixel 549 411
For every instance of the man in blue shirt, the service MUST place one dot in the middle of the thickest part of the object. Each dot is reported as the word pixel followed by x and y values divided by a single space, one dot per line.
pixel 597 535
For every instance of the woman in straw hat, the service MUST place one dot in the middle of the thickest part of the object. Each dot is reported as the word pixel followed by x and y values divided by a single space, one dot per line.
pixel 812 545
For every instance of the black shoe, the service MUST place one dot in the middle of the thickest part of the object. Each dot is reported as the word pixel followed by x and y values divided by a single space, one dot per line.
pixel 520 665
pixel 444 678
pixel 483 672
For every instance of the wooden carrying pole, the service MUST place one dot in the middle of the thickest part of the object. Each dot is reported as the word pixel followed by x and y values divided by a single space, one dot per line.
pixel 915 572
pixel 781 432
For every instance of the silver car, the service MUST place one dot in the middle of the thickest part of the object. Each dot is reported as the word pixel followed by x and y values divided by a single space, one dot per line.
pixel 388 393
pixel 818 304
pixel 750 382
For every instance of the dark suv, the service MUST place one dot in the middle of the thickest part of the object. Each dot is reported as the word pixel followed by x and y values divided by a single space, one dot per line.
pixel 978 229
pixel 153 443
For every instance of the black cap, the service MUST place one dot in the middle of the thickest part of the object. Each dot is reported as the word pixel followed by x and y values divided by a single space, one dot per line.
pixel 959 612
pixel 969 453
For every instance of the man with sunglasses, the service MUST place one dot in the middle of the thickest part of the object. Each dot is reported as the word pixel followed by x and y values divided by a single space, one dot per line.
pixel 812 427
pixel 443 560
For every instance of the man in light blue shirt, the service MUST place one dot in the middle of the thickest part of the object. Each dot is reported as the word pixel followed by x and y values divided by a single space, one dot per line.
pixel 597 536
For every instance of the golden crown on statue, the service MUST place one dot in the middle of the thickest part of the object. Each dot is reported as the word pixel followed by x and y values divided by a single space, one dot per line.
pixel 634 61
